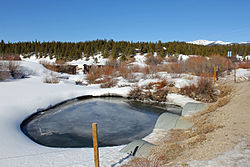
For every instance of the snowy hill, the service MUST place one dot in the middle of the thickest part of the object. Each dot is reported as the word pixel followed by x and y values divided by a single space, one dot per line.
pixel 206 42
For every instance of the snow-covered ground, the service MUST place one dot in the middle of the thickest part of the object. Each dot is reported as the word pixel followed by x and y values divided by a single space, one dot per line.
pixel 21 98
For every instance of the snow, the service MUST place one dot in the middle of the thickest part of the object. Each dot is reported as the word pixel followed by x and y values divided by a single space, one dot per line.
pixel 243 74
pixel 183 57
pixel 206 42
pixel 140 60
pixel 247 57
pixel 222 43
pixel 238 57
pixel 179 99
pixel 35 60
pixel 96 60
pixel 21 98
pixel 201 42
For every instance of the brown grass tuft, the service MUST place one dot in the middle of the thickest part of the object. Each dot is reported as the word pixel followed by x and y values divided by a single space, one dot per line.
pixel 52 79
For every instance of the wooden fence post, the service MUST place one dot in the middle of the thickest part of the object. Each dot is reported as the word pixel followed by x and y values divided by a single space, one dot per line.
pixel 95 144
pixel 214 74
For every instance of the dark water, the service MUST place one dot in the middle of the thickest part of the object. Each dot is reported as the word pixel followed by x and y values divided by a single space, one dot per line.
pixel 119 120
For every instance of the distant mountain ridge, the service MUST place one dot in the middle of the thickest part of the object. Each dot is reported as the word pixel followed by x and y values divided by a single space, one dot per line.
pixel 207 42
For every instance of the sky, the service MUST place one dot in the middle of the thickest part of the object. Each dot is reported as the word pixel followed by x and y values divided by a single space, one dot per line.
pixel 128 20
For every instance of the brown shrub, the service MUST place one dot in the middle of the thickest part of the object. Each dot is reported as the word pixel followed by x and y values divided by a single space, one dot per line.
pixel 50 66
pixel 154 60
pixel 108 83
pixel 70 69
pixel 158 85
pixel 4 75
pixel 197 65
pixel 60 61
pixel 244 65
pixel 10 57
pixel 135 68
pixel 222 62
pixel 150 71
pixel 204 91
pixel 124 70
pixel 174 67
pixel 172 59
pixel 108 70
pixel 94 74
pixel 112 62
pixel 156 92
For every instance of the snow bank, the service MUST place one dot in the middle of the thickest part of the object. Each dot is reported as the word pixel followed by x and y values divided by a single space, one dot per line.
pixel 179 99
pixel 140 60
pixel 36 60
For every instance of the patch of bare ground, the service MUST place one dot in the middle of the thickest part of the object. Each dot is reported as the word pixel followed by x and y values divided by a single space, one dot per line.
pixel 216 130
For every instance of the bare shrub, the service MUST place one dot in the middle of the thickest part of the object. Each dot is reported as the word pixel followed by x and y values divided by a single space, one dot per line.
pixel 108 71
pixel 94 74
pixel 62 68
pixel 204 91
pixel 135 68
pixel 222 62
pixel 108 83
pixel 172 59
pixel 156 92
pixel 150 71
pixel 154 60
pixel 127 72
pixel 4 75
pixel 60 61
pixel 50 66
pixel 124 70
pixel 198 65
pixel 175 67
pixel 52 79
pixel 10 57
pixel 112 62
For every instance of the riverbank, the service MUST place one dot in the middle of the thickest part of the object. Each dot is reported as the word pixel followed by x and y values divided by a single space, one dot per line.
pixel 220 135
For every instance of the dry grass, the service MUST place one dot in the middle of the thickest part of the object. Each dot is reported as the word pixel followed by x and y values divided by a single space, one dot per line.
pixel 52 79
pixel 143 162
pixel 245 65
pixel 181 140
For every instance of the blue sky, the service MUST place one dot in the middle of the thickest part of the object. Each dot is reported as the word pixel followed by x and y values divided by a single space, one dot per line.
pixel 129 20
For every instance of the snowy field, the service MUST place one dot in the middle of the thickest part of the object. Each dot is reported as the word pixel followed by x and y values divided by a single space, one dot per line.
pixel 20 98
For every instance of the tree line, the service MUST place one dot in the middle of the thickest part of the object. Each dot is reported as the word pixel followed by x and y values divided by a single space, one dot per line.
pixel 68 51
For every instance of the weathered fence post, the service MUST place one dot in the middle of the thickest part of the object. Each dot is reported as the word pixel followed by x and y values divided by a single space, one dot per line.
pixel 214 74
pixel 95 144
